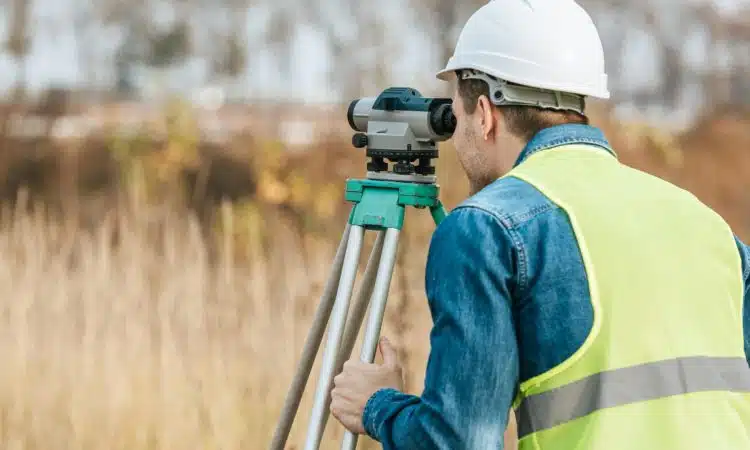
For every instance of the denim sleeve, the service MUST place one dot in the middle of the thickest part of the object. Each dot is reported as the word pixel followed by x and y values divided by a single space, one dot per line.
pixel 745 256
pixel 472 370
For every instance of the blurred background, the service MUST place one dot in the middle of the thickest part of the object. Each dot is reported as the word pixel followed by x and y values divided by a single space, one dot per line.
pixel 172 178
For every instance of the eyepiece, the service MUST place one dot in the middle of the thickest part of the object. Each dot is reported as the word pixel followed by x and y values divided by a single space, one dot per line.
pixel 442 120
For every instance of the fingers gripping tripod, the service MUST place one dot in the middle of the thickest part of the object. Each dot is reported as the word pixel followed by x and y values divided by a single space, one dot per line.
pixel 379 206
pixel 401 127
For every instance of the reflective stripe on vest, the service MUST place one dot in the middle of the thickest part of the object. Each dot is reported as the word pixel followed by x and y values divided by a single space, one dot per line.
pixel 629 385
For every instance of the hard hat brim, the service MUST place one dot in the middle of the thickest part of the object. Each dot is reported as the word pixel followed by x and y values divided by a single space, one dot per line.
pixel 446 74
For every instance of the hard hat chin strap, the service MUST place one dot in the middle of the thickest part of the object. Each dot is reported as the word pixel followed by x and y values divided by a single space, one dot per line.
pixel 503 93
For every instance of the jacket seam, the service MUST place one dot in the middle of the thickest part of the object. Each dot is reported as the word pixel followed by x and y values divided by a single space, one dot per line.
pixel 569 140
pixel 369 416
pixel 368 419
pixel 506 223
pixel 744 258
pixel 519 218
pixel 531 213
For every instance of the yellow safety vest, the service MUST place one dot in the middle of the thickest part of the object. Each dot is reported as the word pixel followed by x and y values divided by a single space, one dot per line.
pixel 664 366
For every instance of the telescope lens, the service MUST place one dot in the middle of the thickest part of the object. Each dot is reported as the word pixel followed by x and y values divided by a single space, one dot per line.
pixel 358 114
pixel 350 114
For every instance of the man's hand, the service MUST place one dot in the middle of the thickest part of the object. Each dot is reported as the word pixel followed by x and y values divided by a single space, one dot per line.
pixel 358 381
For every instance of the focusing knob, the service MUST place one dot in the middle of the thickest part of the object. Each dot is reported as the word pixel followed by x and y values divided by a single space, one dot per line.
pixel 359 140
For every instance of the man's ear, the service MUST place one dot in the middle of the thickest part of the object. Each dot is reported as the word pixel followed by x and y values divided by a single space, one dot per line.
pixel 486 117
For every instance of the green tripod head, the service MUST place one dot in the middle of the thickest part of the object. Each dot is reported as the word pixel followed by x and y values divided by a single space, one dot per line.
pixel 401 126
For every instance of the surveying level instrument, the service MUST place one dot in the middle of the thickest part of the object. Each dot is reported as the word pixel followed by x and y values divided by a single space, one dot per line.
pixel 398 128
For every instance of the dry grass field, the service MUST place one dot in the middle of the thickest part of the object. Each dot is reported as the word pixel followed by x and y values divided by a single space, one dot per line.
pixel 156 295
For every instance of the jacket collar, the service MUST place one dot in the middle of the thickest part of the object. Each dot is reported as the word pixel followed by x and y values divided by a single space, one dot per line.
pixel 568 134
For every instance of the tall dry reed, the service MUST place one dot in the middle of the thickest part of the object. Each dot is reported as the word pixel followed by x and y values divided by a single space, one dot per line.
pixel 131 336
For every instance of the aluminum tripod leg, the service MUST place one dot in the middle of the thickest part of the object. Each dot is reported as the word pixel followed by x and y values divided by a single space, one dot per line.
pixel 359 308
pixel 357 316
pixel 312 344
pixel 335 334
pixel 377 310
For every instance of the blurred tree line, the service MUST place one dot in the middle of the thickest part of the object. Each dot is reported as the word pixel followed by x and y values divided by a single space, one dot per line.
pixel 361 38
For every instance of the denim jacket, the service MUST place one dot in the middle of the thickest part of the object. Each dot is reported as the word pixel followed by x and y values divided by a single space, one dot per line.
pixel 509 299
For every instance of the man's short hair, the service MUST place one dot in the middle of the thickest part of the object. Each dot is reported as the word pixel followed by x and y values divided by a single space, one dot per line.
pixel 523 121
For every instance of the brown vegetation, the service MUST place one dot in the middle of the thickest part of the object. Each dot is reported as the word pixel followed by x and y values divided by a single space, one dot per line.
pixel 156 294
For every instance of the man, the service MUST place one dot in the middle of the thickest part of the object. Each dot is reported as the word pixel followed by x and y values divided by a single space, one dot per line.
pixel 608 308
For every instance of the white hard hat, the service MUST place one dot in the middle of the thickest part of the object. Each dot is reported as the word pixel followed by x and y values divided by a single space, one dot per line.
pixel 546 44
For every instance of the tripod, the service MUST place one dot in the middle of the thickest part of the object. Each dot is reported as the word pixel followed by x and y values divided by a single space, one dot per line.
pixel 379 205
